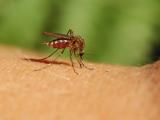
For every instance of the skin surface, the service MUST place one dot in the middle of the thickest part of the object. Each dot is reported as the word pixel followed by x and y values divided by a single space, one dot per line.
pixel 109 92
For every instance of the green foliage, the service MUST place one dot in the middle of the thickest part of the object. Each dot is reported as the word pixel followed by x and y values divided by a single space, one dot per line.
pixel 115 31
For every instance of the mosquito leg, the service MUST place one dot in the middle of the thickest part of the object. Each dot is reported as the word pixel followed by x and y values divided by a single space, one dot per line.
pixel 72 62
pixel 59 54
pixel 86 66
pixel 70 32
pixel 82 64
pixel 62 51
pixel 78 60
pixel 49 55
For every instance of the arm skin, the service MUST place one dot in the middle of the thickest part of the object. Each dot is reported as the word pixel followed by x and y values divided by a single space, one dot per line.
pixel 109 92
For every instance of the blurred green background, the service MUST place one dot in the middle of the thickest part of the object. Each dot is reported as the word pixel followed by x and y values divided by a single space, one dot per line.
pixel 115 31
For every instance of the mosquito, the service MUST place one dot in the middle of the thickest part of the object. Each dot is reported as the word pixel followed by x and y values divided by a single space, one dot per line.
pixel 75 44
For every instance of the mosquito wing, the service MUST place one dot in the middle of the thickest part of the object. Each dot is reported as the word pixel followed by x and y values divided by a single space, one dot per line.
pixel 56 35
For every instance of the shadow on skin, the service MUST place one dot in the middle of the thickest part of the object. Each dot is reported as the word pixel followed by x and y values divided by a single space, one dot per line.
pixel 46 61
pixel 49 62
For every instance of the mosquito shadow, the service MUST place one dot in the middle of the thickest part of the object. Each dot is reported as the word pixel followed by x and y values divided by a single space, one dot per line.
pixel 45 61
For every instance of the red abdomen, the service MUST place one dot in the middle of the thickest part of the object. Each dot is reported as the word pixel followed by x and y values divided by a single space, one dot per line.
pixel 59 44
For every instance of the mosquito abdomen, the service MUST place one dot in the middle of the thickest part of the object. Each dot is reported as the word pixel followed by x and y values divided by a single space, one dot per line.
pixel 58 44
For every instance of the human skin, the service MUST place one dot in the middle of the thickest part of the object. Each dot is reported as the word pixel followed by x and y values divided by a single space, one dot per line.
pixel 109 92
